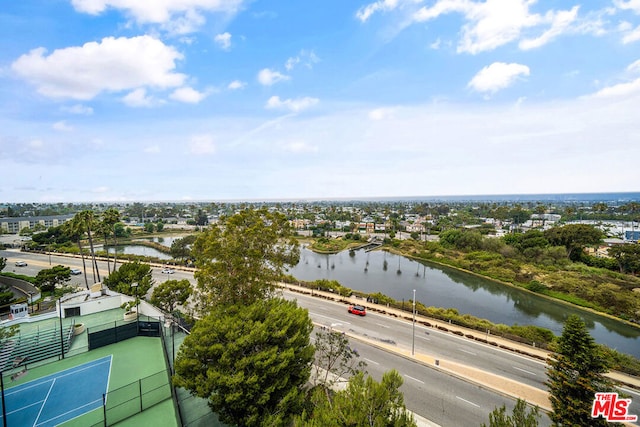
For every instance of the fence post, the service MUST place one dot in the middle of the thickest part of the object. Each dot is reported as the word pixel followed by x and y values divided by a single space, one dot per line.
pixel 104 409
pixel 140 391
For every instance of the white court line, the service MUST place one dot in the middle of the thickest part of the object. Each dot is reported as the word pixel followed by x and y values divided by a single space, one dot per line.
pixel 44 401
pixel 415 379
pixel 69 412
pixel 467 351
pixel 524 370
pixel 371 361
pixel 465 400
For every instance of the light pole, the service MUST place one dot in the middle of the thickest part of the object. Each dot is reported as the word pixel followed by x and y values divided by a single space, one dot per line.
pixel 31 301
pixel 135 287
pixel 413 335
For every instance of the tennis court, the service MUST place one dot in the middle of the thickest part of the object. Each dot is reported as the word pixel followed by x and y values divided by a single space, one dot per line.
pixel 54 399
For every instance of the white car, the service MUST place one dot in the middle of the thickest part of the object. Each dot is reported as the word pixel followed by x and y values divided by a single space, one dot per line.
pixel 76 271
pixel 21 264
pixel 168 271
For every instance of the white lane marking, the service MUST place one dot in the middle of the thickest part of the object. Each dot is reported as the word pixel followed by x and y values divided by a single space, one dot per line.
pixel 380 324
pixel 415 379
pixel 330 318
pixel 524 370
pixel 371 361
pixel 425 338
pixel 467 351
pixel 465 400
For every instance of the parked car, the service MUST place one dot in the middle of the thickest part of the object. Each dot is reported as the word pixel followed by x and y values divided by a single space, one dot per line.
pixel 168 271
pixel 21 264
pixel 357 309
pixel 76 271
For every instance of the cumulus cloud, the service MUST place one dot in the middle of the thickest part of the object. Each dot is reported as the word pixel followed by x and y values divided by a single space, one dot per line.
pixel 139 98
pixel 294 105
pixel 559 25
pixel 631 36
pixel 633 5
pixel 112 65
pixel 634 67
pixel 62 126
pixel 365 12
pixel 306 58
pixel 269 77
pixel 202 144
pixel 180 16
pixel 236 84
pixel 188 95
pixel 78 109
pixel 223 40
pixel 493 23
pixel 497 76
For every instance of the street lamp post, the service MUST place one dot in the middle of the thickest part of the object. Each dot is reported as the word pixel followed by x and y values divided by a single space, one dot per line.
pixel 135 287
pixel 31 302
pixel 413 336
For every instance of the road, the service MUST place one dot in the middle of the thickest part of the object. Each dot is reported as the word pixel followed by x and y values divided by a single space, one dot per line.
pixel 429 392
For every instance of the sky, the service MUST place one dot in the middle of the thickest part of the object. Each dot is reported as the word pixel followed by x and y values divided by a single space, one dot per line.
pixel 128 100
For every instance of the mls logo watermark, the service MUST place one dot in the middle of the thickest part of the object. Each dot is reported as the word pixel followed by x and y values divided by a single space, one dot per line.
pixel 612 408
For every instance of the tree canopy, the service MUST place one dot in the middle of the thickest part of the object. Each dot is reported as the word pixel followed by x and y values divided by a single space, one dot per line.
pixel 364 403
pixel 47 279
pixel 575 374
pixel 171 293
pixel 574 237
pixel 122 279
pixel 520 417
pixel 250 361
pixel 241 258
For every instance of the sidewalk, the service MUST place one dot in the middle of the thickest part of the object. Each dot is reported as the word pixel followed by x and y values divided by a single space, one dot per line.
pixel 496 383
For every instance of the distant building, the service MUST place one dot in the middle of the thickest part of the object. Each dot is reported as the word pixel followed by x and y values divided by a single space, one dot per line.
pixel 631 236
pixel 13 225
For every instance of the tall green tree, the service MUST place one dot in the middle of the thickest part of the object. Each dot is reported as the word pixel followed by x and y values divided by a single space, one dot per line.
pixel 519 418
pixel 170 294
pixel 75 229
pixel 574 237
pixel 123 278
pixel 575 374
pixel 106 227
pixel 627 256
pixel 88 221
pixel 180 247
pixel 334 359
pixel 364 403
pixel 47 279
pixel 251 362
pixel 241 258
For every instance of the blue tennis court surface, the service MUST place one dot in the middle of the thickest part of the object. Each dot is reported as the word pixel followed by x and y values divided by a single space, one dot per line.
pixel 57 398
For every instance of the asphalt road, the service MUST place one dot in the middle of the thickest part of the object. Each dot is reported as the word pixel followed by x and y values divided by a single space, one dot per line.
pixel 433 394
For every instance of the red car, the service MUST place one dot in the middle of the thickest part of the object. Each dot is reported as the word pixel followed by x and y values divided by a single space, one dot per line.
pixel 357 309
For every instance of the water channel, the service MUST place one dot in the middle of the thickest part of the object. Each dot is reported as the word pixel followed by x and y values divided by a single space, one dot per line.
pixel 445 287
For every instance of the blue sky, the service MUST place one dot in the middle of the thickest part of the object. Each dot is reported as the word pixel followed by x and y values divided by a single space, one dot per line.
pixel 128 100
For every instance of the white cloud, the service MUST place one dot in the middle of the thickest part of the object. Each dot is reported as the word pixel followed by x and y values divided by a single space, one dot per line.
pixel 493 23
pixel 62 126
pixel 110 65
pixel 187 95
pixel 179 16
pixel 139 98
pixel 269 77
pixel 632 36
pixel 619 90
pixel 634 67
pixel 236 84
pixel 364 13
pixel 633 5
pixel 299 147
pixel 202 144
pixel 559 25
pixel 436 44
pixel 497 76
pixel 223 40
pixel 78 109
pixel 380 113
pixel 306 58
pixel 294 105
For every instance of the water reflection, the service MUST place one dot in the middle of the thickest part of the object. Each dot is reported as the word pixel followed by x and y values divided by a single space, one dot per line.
pixel 438 286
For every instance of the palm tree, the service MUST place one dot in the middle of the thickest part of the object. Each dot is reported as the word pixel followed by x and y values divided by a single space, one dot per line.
pixel 75 229
pixel 88 221
pixel 110 218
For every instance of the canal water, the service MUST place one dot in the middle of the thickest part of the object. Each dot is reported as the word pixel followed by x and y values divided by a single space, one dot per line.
pixel 440 286
pixel 446 287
